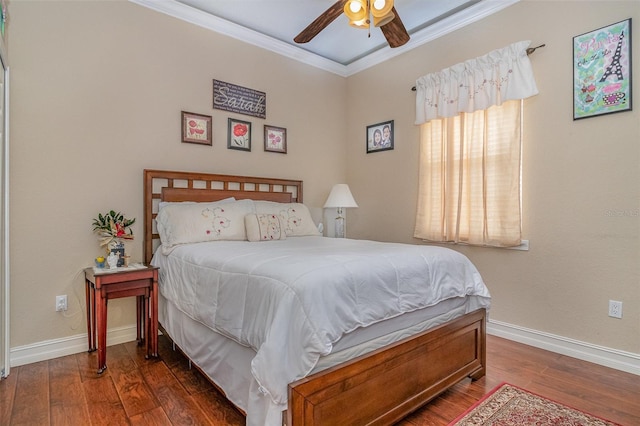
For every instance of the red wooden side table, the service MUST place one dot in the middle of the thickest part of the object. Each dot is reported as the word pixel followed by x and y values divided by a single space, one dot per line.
pixel 102 285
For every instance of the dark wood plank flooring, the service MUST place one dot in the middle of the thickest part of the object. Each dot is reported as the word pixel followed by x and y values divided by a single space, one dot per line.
pixel 164 391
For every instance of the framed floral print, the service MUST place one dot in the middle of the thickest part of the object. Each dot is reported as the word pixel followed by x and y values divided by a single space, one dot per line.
pixel 239 135
pixel 275 139
pixel 196 128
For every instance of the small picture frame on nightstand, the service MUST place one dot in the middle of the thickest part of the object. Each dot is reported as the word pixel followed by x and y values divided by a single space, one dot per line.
pixel 119 251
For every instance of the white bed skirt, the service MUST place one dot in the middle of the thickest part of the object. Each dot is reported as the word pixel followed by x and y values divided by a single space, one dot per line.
pixel 228 364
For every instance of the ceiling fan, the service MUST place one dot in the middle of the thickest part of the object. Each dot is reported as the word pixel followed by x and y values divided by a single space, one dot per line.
pixel 359 13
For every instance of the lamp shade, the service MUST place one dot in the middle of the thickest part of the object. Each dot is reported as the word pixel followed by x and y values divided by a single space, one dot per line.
pixel 340 196
pixel 356 10
pixel 378 22
pixel 380 8
pixel 362 24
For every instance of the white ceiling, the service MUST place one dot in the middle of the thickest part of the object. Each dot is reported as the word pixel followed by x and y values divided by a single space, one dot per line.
pixel 339 48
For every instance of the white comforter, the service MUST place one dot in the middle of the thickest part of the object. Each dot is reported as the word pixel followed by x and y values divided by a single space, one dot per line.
pixel 291 300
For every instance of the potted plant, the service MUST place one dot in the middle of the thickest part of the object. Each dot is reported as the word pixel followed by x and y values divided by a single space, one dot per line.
pixel 112 229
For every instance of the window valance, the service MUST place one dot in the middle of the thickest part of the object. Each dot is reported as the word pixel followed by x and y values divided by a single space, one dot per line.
pixel 501 75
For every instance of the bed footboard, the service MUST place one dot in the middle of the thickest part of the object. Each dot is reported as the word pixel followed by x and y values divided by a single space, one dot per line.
pixel 386 385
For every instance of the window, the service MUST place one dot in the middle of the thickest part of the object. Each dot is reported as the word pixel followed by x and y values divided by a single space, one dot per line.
pixel 470 118
pixel 469 188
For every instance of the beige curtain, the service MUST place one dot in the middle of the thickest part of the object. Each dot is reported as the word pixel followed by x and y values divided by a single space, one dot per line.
pixel 470 142
pixel 476 84
pixel 469 189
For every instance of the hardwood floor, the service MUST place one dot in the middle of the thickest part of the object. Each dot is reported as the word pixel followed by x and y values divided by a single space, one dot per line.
pixel 68 391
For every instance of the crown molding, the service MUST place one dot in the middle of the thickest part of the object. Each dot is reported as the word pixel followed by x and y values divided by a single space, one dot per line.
pixel 227 28
pixel 192 15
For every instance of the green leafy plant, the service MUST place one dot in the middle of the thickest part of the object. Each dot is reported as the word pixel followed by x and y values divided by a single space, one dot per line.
pixel 112 226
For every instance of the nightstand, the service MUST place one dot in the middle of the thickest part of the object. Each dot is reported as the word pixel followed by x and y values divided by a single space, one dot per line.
pixel 105 284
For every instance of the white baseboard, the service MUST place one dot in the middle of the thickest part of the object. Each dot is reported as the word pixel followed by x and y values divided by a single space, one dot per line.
pixel 49 349
pixel 620 360
pixel 613 358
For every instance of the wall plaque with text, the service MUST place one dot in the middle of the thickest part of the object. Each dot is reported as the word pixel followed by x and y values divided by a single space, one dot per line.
pixel 229 97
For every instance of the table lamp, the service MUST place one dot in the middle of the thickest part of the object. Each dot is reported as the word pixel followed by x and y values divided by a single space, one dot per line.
pixel 340 197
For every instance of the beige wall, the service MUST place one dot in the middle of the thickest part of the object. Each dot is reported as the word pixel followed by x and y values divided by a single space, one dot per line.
pixel 581 179
pixel 97 90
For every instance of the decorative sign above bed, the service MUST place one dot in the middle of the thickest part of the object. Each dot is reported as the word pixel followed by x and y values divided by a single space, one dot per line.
pixel 229 97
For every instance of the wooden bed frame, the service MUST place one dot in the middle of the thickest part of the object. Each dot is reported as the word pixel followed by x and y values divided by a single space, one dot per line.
pixel 378 388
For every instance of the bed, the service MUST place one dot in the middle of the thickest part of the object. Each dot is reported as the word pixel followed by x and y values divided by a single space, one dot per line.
pixel 279 341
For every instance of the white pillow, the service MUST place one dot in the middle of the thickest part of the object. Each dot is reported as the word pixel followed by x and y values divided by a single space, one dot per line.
pixel 184 223
pixel 264 227
pixel 295 217
pixel 162 204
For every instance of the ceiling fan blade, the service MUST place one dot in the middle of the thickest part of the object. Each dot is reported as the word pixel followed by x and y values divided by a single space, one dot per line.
pixel 395 32
pixel 321 22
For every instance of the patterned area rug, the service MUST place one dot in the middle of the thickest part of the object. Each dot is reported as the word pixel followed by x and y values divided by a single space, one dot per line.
pixel 508 405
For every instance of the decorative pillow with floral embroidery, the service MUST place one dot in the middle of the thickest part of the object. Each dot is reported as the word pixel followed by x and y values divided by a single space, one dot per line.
pixel 186 223
pixel 295 217
pixel 264 227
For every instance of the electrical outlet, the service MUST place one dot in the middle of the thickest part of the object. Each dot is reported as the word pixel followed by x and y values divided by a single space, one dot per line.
pixel 61 303
pixel 615 309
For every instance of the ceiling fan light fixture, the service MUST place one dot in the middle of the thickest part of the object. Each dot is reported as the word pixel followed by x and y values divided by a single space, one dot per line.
pixel 355 6
pixel 362 24
pixel 359 14
pixel 356 10
pixel 378 22
pixel 381 8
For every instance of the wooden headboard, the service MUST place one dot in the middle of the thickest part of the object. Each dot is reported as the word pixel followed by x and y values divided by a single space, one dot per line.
pixel 163 185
